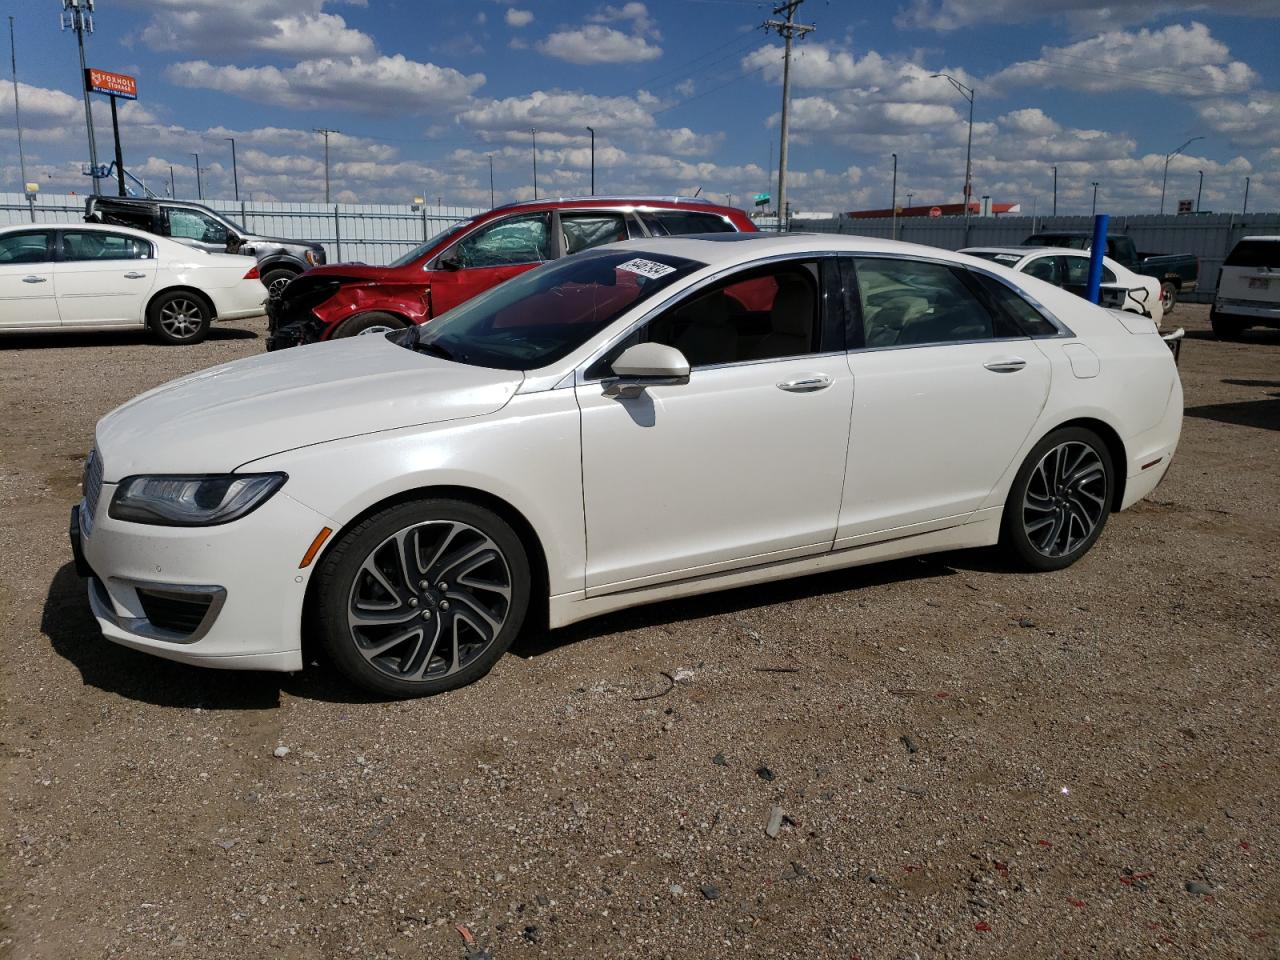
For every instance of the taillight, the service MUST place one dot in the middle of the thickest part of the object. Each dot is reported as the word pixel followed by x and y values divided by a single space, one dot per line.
pixel 253 273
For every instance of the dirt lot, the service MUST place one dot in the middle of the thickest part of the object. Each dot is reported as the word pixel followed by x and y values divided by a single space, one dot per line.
pixel 971 762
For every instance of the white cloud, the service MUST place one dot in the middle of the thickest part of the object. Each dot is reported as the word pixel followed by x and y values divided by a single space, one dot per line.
pixel 873 75
pixel 382 84
pixel 297 28
pixel 944 15
pixel 518 18
pixel 635 12
pixel 595 43
pixel 560 111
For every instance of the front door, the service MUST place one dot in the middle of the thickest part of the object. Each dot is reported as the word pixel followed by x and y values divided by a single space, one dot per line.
pixel 26 280
pixel 103 277
pixel 497 251
pixel 947 388
pixel 197 229
pixel 742 464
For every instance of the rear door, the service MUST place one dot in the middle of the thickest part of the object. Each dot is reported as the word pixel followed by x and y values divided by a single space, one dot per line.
pixel 494 252
pixel 946 389
pixel 103 277
pixel 1251 273
pixel 26 280
pixel 583 229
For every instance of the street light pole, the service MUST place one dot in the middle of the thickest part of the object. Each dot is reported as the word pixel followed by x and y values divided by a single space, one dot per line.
pixel 235 174
pixel 1055 189
pixel 199 186
pixel 1094 211
pixel 1199 190
pixel 1167 157
pixel 1245 207
pixel 893 205
pixel 325 131
pixel 533 132
pixel 593 160
pixel 968 94
pixel 491 203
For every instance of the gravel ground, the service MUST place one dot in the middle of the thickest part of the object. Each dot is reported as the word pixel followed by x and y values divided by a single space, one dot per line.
pixel 959 761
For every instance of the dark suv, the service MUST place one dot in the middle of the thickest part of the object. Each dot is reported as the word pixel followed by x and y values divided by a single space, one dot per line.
pixel 345 299
pixel 279 261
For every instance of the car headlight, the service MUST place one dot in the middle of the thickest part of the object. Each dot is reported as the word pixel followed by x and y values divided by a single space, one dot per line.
pixel 192 501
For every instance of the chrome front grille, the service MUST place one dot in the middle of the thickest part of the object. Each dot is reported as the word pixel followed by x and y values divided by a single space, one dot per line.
pixel 91 485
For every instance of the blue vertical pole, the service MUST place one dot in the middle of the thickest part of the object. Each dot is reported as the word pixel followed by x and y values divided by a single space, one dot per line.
pixel 1096 252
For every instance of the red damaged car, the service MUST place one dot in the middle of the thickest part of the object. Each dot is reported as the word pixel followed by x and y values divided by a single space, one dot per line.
pixel 346 299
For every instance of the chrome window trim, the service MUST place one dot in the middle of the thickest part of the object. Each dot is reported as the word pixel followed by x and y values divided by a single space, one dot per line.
pixel 1064 332
pixel 579 374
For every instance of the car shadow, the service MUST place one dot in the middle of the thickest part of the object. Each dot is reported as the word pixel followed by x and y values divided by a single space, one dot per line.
pixel 74 635
pixel 534 643
pixel 110 338
pixel 1254 335
pixel 1252 383
pixel 1263 414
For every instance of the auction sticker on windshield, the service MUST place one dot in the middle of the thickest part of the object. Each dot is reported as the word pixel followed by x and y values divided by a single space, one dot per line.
pixel 646 268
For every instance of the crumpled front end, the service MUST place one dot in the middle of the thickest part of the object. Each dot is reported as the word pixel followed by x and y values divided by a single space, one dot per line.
pixel 291 317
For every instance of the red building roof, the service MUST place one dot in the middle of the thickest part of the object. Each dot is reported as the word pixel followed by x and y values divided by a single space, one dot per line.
pixel 948 210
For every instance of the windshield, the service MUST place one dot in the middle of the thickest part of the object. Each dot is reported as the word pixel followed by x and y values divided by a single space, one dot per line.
pixel 544 314
pixel 422 249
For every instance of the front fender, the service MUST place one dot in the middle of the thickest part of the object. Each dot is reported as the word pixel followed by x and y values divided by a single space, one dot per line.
pixel 411 303
pixel 274 260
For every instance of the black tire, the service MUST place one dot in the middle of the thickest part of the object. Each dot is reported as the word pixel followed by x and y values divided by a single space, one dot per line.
pixel 384 631
pixel 1168 295
pixel 371 324
pixel 1225 328
pixel 276 279
pixel 180 317
pixel 1067 504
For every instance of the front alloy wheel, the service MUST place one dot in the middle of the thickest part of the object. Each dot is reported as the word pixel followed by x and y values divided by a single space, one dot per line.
pixel 423 597
pixel 1059 501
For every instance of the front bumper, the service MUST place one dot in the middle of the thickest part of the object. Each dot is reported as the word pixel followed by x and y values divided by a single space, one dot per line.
pixel 285 330
pixel 228 596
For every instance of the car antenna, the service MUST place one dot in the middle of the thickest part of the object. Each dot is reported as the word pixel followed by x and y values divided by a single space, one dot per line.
pixel 696 192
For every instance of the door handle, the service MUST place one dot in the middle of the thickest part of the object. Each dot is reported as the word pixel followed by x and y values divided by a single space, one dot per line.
pixel 1005 365
pixel 807 384
pixel 135 275
pixel 34 279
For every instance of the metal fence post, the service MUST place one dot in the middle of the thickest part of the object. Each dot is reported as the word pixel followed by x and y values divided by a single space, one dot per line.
pixel 337 232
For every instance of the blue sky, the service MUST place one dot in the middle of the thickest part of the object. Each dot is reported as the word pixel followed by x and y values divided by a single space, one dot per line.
pixel 683 94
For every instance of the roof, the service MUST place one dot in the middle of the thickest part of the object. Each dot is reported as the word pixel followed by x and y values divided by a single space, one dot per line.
pixel 712 249
pixel 635 201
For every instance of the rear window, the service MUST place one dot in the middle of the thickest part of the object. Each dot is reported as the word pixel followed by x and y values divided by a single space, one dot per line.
pixel 1254 253
pixel 662 223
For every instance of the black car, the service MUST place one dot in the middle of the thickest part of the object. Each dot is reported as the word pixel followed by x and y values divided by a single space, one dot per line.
pixel 279 260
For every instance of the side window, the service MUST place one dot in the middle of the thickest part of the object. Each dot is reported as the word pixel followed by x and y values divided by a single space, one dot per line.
pixel 30 246
pixel 1107 275
pixel 763 314
pixel 95 245
pixel 1077 271
pixel 910 302
pixel 582 231
pixel 193 225
pixel 1030 321
pixel 507 243
pixel 1045 268
pixel 674 223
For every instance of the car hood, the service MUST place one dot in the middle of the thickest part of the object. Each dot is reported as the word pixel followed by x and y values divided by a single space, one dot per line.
pixel 283 242
pixel 218 419
pixel 347 272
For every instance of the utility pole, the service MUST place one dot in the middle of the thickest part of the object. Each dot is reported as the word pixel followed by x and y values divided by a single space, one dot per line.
pixel 593 160
pixel 1167 157
pixel 77 15
pixel 1199 190
pixel 1055 189
pixel 787 29
pixel 17 112
pixel 235 174
pixel 968 94
pixel 325 131
pixel 1094 211
pixel 491 203
pixel 1245 208
pixel 199 185
pixel 173 190
pixel 533 132
pixel 893 203
pixel 909 196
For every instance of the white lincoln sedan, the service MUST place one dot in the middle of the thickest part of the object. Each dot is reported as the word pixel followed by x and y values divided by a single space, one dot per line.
pixel 68 277
pixel 650 419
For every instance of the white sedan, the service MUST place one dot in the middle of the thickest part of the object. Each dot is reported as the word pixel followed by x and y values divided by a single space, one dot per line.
pixel 64 277
pixel 646 420
pixel 1121 288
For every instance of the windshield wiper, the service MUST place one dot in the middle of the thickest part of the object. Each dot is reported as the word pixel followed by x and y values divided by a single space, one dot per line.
pixel 434 349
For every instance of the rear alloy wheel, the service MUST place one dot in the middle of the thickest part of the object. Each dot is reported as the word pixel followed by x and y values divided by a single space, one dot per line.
pixel 1060 500
pixel 276 280
pixel 1168 296
pixel 180 317
pixel 423 597
pixel 374 323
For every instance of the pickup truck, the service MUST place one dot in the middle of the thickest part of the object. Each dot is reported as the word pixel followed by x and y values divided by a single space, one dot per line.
pixel 1178 273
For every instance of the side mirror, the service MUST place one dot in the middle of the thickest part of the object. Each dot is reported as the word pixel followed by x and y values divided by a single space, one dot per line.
pixel 451 262
pixel 648 365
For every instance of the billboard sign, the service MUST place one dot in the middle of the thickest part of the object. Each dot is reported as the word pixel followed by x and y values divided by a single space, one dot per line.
pixel 113 84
